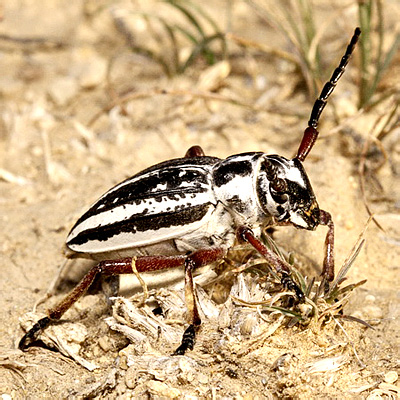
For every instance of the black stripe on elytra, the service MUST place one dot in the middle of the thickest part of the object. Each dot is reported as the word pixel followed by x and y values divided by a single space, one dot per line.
pixel 141 223
pixel 145 187
pixel 179 162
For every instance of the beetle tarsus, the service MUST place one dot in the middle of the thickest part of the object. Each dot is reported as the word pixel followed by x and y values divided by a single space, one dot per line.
pixel 188 340
pixel 289 284
pixel 32 335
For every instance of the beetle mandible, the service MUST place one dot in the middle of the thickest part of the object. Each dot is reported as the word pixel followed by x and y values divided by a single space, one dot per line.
pixel 189 211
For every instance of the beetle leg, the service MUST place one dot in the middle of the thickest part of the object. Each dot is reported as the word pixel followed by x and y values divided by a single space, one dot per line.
pixel 195 151
pixel 328 270
pixel 189 335
pixel 193 261
pixel 125 266
pixel 282 267
pixel 108 267
pixel 56 313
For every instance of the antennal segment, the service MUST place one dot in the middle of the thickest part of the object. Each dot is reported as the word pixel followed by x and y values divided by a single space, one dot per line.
pixel 311 132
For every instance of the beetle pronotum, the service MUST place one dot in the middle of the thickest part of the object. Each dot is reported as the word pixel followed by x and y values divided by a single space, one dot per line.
pixel 189 211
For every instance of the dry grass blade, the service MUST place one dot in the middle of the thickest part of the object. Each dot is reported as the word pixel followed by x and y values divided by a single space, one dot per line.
pixel 350 342
pixel 9 177
pixel 362 168
pixel 121 26
pixel 355 319
pixel 262 47
pixel 167 33
pixel 167 92
pixel 380 63
pixel 295 20
pixel 322 304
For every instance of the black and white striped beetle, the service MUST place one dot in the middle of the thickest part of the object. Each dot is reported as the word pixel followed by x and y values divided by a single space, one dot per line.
pixel 189 211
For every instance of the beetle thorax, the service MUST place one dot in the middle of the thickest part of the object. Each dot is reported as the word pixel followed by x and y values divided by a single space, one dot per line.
pixel 235 181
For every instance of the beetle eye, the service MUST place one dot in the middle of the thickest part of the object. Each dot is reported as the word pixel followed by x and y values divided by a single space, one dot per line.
pixel 279 185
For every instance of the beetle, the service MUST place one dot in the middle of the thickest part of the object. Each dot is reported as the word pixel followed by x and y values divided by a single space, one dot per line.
pixel 187 212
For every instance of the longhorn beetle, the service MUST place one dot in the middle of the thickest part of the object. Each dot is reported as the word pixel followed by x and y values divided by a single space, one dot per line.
pixel 189 211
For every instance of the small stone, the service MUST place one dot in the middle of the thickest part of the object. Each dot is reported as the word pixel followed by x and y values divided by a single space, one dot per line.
pixel 370 298
pixel 357 314
pixel 349 225
pixel 372 312
pixel 391 377
pixel 157 388
pixel 73 333
pixel 104 343
pixel 202 378
pixel 213 77
pixel 130 377
pixel 189 377
pixel 185 365
pixel 93 73
pixel 89 68
pixel 63 90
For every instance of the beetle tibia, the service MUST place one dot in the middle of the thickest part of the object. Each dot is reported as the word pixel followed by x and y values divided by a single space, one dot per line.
pixel 289 284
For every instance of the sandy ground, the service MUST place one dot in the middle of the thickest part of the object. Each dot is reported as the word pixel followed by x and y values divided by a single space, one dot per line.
pixel 56 160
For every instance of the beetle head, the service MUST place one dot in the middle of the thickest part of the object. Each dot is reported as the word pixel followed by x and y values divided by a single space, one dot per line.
pixel 284 191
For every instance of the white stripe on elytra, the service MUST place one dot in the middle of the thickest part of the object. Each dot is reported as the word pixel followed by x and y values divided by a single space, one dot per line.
pixel 126 240
pixel 127 211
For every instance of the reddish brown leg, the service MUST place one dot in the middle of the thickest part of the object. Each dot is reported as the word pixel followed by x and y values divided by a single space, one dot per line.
pixel 282 267
pixel 328 269
pixel 195 260
pixel 329 261
pixel 124 266
pixel 195 151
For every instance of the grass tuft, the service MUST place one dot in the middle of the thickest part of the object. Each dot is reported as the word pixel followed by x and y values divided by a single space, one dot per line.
pixel 374 59
pixel 197 36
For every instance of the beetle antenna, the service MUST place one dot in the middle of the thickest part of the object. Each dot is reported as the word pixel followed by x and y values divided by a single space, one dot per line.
pixel 311 132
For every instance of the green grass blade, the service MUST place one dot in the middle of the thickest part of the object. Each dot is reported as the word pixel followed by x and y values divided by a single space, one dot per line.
pixel 364 15
pixel 191 18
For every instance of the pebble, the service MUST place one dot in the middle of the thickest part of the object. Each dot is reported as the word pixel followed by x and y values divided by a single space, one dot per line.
pixel 391 377
pixel 92 72
pixel 372 311
pixel 130 377
pixel 370 298
pixel 157 388
pixel 104 343
pixel 213 77
pixel 63 89
pixel 202 378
